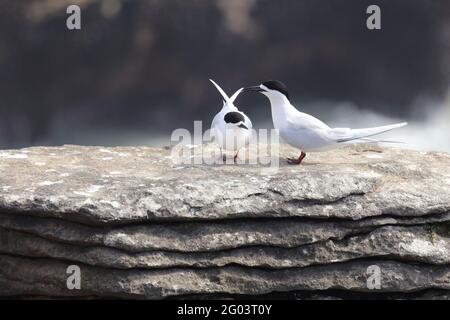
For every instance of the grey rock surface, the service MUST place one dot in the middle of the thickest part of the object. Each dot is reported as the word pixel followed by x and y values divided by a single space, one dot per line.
pixel 205 236
pixel 140 225
pixel 48 277
pixel 399 243
pixel 133 184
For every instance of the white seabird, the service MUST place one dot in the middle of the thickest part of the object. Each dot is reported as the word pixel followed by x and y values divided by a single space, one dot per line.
pixel 306 132
pixel 231 128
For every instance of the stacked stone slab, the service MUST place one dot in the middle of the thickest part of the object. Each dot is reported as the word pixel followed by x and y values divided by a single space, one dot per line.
pixel 138 224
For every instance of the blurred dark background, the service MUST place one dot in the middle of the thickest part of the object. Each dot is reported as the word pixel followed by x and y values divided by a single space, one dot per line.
pixel 139 69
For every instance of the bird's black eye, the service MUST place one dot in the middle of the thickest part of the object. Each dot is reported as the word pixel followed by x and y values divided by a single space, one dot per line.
pixel 233 117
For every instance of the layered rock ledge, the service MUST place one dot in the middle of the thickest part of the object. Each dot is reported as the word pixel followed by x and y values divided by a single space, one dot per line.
pixel 138 225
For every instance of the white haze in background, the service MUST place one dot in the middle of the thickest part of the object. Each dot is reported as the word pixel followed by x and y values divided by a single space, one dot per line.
pixel 429 129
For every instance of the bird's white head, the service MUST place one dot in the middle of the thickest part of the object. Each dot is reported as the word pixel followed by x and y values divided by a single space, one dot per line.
pixel 275 90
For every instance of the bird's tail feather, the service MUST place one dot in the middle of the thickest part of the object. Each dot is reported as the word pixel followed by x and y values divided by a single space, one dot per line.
pixel 345 135
pixel 368 140
pixel 382 141
pixel 224 95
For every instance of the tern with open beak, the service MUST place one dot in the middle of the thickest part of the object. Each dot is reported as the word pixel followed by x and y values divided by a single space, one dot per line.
pixel 306 132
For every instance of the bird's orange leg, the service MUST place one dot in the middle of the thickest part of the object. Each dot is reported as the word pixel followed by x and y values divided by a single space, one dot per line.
pixel 235 157
pixel 223 156
pixel 297 161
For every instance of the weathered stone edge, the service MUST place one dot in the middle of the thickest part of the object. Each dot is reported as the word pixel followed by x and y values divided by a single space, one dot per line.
pixel 205 236
pixel 24 276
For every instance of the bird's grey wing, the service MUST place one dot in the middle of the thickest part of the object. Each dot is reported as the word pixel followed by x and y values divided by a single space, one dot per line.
pixel 215 121
pixel 248 122
pixel 347 134
pixel 304 121
pixel 214 125
pixel 235 95
pixel 222 93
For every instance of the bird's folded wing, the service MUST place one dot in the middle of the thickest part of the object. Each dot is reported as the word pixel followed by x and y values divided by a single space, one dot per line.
pixel 347 134
pixel 214 125
pixel 303 121
pixel 215 121
pixel 247 122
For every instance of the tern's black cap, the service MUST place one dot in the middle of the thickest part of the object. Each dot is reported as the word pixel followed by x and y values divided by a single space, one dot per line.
pixel 278 86
pixel 233 117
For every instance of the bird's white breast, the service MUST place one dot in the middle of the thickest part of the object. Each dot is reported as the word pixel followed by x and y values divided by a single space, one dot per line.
pixel 299 129
pixel 228 136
